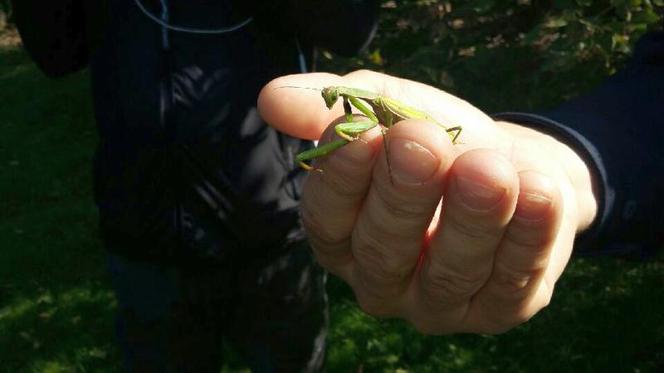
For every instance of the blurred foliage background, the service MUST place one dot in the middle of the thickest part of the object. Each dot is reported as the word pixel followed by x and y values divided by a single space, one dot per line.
pixel 539 51
pixel 56 306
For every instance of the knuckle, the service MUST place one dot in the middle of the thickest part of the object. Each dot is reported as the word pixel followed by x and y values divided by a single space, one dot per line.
pixel 382 267
pixel 514 284
pixel 399 209
pixel 321 232
pixel 526 237
pixel 469 227
pixel 331 256
pixel 451 285
pixel 344 183
pixel 402 206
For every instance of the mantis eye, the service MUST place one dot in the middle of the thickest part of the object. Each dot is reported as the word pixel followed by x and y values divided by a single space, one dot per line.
pixel 330 95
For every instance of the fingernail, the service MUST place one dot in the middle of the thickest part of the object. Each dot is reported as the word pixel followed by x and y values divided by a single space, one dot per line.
pixel 477 195
pixel 532 206
pixel 411 163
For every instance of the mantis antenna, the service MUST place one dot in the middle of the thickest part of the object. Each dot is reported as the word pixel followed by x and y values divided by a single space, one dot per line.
pixel 294 86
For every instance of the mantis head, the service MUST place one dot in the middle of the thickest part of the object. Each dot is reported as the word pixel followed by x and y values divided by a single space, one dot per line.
pixel 330 95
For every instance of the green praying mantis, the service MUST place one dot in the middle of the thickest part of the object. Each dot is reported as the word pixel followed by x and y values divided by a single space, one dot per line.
pixel 377 108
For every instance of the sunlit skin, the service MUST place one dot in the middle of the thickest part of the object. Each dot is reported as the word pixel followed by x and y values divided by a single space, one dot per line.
pixel 466 237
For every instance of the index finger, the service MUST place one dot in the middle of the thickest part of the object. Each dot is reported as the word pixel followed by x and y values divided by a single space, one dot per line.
pixel 292 104
pixel 302 112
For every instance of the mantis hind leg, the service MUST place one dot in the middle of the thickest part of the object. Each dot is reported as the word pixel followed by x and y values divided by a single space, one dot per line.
pixel 350 131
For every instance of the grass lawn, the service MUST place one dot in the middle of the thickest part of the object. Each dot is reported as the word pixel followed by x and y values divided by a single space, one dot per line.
pixel 56 306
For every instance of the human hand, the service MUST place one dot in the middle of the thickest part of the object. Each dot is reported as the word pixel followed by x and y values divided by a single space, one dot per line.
pixel 483 260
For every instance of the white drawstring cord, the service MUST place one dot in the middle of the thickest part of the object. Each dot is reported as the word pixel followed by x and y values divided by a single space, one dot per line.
pixel 191 30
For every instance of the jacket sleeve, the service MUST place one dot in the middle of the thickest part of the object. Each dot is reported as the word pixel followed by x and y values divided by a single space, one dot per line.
pixel 342 26
pixel 619 131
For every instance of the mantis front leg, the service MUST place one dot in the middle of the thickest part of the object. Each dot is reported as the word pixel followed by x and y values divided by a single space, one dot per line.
pixel 318 152
pixel 348 131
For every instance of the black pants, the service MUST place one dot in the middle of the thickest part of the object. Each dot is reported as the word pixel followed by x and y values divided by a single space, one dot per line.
pixel 274 313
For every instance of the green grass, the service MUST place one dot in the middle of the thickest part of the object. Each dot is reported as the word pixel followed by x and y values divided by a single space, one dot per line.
pixel 55 303
pixel 56 306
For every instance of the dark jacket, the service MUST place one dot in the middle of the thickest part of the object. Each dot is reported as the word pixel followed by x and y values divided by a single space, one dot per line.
pixel 619 130
pixel 185 169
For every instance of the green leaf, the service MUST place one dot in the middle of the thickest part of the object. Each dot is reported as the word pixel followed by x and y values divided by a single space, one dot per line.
pixel 647 16
pixel 556 23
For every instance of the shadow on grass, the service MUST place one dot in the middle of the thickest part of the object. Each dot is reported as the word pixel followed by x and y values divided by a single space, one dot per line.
pixel 55 304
